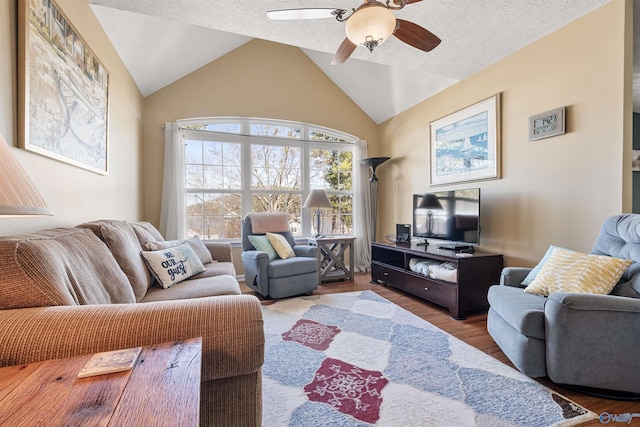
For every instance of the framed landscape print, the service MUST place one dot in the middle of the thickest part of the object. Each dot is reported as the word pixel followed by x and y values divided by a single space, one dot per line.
pixel 465 145
pixel 63 89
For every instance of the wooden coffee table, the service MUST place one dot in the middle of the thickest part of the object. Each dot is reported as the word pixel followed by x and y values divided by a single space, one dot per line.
pixel 163 389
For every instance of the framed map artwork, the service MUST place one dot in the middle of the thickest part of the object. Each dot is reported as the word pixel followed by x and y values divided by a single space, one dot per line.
pixel 63 89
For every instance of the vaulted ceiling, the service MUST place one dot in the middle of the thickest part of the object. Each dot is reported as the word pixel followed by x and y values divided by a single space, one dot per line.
pixel 161 41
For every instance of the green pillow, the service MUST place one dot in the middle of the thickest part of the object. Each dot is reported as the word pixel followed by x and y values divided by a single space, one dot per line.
pixel 262 243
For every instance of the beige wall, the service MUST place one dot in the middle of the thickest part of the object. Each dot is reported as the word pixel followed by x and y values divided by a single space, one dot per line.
pixel 553 191
pixel 74 194
pixel 259 79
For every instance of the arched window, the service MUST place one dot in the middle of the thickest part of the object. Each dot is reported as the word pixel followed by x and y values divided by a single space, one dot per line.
pixel 233 166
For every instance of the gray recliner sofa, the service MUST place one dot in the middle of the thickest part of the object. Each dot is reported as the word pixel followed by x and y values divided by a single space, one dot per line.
pixel 576 339
pixel 278 278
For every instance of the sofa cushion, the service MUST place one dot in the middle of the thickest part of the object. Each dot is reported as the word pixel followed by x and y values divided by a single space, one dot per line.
pixel 619 237
pixel 125 247
pixel 63 266
pixel 173 265
pixel 216 269
pixel 629 284
pixel 146 232
pixel 570 271
pixel 292 267
pixel 523 311
pixel 195 288
pixel 195 243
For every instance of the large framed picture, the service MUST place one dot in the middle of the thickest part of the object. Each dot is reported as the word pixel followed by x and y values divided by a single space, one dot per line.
pixel 63 89
pixel 465 145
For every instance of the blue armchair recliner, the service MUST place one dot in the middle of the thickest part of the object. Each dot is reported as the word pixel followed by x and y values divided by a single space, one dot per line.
pixel 585 340
pixel 278 278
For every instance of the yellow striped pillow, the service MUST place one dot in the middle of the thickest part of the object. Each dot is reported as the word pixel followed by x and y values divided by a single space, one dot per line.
pixel 281 245
pixel 570 271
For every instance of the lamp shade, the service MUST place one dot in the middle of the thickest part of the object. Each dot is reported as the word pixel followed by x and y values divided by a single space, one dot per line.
pixel 374 162
pixel 372 22
pixel 317 199
pixel 18 196
pixel 430 201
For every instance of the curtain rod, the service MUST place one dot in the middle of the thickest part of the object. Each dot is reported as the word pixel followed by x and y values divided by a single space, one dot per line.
pixel 209 132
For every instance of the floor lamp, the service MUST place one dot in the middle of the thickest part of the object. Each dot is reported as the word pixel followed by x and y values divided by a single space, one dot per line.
pixel 373 163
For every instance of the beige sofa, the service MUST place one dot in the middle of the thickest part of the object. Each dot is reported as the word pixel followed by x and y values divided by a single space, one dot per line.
pixel 73 291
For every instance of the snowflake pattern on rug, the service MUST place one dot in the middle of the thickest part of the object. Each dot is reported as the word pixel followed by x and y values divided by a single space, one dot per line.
pixel 348 389
pixel 357 360
pixel 311 334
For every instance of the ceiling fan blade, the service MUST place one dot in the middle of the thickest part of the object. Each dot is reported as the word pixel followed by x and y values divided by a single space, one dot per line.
pixel 344 52
pixel 416 36
pixel 407 2
pixel 312 13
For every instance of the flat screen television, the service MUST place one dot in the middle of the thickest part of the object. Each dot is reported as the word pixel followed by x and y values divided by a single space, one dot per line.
pixel 452 216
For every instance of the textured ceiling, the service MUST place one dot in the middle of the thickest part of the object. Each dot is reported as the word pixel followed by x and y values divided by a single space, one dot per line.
pixel 161 41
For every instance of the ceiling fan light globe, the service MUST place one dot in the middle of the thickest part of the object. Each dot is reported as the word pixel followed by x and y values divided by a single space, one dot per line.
pixel 374 22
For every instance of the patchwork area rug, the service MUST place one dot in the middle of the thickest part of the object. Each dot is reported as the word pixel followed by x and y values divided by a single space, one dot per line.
pixel 356 359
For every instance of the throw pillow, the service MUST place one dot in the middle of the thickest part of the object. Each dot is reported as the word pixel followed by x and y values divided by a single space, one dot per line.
pixel 125 247
pixel 195 243
pixel 146 232
pixel 534 272
pixel 261 243
pixel 281 245
pixel 570 271
pixel 172 265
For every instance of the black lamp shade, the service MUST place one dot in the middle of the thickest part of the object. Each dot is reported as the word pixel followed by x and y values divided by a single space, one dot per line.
pixel 430 201
pixel 374 162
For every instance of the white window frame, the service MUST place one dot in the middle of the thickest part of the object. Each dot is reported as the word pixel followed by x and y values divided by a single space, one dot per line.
pixel 246 140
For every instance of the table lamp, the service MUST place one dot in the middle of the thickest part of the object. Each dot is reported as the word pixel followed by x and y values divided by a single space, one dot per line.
pixel 430 202
pixel 317 199
pixel 18 195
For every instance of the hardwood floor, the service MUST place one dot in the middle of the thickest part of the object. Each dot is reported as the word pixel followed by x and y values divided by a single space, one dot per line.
pixel 473 331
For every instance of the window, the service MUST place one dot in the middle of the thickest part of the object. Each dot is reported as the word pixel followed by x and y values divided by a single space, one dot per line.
pixel 235 166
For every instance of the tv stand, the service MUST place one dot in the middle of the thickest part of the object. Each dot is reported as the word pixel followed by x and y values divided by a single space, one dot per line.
pixel 476 272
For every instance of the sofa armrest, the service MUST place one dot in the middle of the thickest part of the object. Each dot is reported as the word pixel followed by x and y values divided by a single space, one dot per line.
pixel 220 251
pixel 513 276
pixel 593 340
pixel 231 328
pixel 306 251
pixel 256 270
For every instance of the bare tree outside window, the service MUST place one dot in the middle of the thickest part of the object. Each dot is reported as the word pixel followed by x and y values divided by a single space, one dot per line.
pixel 217 182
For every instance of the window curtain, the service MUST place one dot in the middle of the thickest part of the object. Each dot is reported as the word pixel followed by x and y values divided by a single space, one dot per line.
pixel 361 209
pixel 172 225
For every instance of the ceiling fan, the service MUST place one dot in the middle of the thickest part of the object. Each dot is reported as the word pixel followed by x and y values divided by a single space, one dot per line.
pixel 369 25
